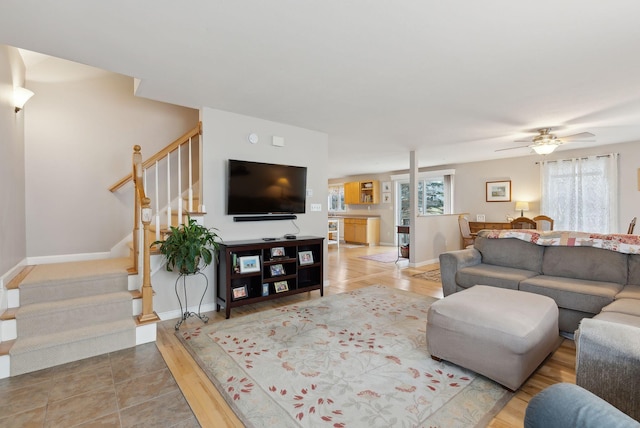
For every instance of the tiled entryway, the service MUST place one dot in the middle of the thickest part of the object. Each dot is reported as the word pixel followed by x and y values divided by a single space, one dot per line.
pixel 128 388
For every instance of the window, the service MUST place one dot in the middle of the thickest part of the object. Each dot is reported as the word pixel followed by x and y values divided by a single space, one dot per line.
pixel 581 194
pixel 336 198
pixel 435 191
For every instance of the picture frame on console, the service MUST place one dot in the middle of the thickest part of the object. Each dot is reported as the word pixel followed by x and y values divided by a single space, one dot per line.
pixel 281 286
pixel 277 270
pixel 240 292
pixel 277 252
pixel 249 264
pixel 306 257
pixel 498 191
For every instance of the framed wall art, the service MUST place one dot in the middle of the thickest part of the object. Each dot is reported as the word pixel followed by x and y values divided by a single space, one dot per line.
pixel 498 191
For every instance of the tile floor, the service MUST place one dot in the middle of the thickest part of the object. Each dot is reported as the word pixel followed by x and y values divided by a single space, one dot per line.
pixel 128 388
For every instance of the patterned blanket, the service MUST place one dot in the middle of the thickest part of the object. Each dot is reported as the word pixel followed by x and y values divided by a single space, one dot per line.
pixel 628 244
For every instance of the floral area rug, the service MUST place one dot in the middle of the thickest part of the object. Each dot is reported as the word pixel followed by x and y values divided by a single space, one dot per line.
pixel 356 359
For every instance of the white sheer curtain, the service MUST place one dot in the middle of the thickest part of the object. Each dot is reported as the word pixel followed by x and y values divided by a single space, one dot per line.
pixel 581 194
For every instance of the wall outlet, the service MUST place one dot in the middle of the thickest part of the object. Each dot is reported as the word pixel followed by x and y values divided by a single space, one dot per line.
pixel 316 207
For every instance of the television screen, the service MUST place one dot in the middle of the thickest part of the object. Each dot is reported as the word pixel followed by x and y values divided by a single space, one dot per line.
pixel 264 188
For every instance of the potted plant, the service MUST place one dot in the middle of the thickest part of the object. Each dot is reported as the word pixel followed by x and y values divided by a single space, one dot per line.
pixel 188 245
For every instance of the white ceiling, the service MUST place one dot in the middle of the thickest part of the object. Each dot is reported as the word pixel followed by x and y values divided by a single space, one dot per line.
pixel 453 80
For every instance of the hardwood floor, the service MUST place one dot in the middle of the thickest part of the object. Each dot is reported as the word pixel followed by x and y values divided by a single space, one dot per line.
pixel 346 271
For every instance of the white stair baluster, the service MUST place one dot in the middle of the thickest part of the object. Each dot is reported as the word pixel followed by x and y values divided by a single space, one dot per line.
pixel 157 198
pixel 180 219
pixel 168 189
pixel 190 178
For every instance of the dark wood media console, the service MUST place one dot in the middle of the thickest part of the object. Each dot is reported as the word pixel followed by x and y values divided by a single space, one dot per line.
pixel 257 270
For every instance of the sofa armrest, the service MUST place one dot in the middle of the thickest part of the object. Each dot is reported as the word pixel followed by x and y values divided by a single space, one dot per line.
pixel 608 363
pixel 567 405
pixel 451 262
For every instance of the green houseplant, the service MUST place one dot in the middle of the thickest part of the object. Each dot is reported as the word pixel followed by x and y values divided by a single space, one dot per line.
pixel 187 245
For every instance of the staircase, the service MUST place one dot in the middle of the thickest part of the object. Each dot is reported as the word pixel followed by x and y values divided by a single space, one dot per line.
pixel 71 311
pixel 65 312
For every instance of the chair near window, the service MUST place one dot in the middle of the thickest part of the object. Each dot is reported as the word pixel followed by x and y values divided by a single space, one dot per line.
pixel 543 222
pixel 468 238
pixel 523 223
pixel 632 226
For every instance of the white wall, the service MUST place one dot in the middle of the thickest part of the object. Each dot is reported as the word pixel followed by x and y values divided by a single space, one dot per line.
pixel 12 187
pixel 524 174
pixel 225 137
pixel 80 133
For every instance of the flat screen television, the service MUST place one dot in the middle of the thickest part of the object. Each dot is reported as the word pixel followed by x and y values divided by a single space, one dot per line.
pixel 265 188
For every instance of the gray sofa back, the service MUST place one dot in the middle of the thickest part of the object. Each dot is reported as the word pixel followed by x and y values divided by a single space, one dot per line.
pixel 595 264
pixel 634 269
pixel 510 252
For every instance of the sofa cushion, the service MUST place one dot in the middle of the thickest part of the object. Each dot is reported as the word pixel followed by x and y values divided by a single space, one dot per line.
pixel 571 293
pixel 619 318
pixel 588 263
pixel 634 269
pixel 496 276
pixel 510 252
pixel 624 306
pixel 629 292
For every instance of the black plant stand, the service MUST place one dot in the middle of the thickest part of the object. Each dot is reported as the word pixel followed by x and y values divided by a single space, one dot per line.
pixel 185 313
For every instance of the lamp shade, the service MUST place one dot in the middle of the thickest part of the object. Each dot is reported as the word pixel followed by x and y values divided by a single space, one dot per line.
pixel 522 207
pixel 544 149
pixel 20 97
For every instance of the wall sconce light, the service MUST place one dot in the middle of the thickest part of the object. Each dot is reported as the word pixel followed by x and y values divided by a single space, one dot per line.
pixel 522 207
pixel 20 97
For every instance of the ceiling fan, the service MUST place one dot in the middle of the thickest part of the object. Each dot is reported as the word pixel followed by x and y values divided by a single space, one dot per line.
pixel 545 143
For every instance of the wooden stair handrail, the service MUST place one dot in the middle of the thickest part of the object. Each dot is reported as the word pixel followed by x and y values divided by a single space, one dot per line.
pixel 161 154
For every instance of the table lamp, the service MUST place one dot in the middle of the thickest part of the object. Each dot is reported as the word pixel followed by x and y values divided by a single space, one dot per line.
pixel 522 207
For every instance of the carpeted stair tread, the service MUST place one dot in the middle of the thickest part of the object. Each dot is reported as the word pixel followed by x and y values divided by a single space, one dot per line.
pixel 71 270
pixel 62 305
pixel 47 318
pixel 62 289
pixel 39 352
pixel 64 338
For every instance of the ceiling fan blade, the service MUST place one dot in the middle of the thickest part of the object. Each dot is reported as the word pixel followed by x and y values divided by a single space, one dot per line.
pixel 512 148
pixel 530 140
pixel 576 136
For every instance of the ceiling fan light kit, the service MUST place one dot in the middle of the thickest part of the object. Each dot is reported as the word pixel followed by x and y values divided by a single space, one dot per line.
pixel 544 148
pixel 545 143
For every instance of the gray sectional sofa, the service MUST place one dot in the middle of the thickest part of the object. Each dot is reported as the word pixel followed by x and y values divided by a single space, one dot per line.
pixel 584 281
pixel 597 291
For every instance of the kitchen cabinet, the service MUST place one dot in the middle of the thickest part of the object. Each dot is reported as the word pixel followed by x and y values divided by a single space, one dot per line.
pixel 362 192
pixel 365 230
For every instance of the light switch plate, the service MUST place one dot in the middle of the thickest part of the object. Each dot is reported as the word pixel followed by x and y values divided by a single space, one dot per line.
pixel 316 207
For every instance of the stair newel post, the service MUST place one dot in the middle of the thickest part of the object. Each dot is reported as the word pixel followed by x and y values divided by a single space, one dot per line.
pixel 147 292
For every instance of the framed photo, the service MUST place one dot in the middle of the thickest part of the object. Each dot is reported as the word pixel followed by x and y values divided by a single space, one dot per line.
pixel 386 197
pixel 386 186
pixel 499 191
pixel 306 257
pixel 277 270
pixel 239 292
pixel 277 252
pixel 281 286
pixel 265 289
pixel 249 264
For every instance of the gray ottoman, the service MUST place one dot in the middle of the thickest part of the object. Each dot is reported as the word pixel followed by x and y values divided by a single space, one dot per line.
pixel 502 334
